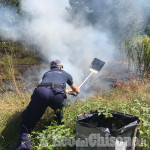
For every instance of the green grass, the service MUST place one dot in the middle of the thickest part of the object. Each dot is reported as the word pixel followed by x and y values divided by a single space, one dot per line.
pixel 132 100
pixel 10 109
pixel 128 98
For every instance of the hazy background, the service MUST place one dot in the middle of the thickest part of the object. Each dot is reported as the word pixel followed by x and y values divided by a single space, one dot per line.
pixel 76 32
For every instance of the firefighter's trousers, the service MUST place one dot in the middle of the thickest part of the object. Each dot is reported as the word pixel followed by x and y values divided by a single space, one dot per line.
pixel 41 98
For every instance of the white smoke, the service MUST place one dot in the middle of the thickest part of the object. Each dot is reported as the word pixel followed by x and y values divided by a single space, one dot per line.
pixel 74 41
pixel 59 38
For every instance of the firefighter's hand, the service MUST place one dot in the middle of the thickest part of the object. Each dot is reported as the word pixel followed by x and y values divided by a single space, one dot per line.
pixel 70 92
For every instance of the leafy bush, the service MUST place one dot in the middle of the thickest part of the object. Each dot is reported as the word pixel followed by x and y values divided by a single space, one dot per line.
pixel 51 136
pixel 137 107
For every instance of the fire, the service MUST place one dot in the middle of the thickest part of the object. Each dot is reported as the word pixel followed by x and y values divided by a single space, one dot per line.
pixel 130 82
pixel 118 84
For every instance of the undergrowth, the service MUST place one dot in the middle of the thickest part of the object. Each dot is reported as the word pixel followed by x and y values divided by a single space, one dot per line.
pixel 136 104
pixel 127 99
pixel 15 55
pixel 11 106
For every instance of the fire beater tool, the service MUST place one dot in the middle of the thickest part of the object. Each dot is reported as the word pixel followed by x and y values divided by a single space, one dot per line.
pixel 95 67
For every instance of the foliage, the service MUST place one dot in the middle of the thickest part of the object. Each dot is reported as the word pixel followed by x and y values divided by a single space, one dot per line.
pixel 137 107
pixel 126 100
pixel 13 57
pixel 79 107
pixel 137 49
pixel 148 30
pixel 146 53
pixel 53 135
pixel 17 49
pixel 15 3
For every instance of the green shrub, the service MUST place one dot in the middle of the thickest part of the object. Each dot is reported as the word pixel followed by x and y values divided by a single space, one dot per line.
pixel 137 107
pixel 52 136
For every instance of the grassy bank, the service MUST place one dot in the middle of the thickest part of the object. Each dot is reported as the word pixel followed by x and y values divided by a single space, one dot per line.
pixel 10 109
pixel 133 100
pixel 15 58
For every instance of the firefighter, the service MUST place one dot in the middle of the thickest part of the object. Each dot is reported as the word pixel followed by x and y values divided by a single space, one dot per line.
pixel 50 92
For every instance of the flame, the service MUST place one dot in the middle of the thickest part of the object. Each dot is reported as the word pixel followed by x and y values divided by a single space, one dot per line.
pixel 118 84
pixel 131 82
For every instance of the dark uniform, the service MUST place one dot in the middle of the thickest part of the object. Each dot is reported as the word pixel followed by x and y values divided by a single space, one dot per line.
pixel 51 92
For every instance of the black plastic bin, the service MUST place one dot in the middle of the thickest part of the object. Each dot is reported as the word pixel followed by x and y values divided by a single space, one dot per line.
pixel 97 132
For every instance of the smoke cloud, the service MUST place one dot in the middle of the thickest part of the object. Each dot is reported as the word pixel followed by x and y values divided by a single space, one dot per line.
pixel 75 31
